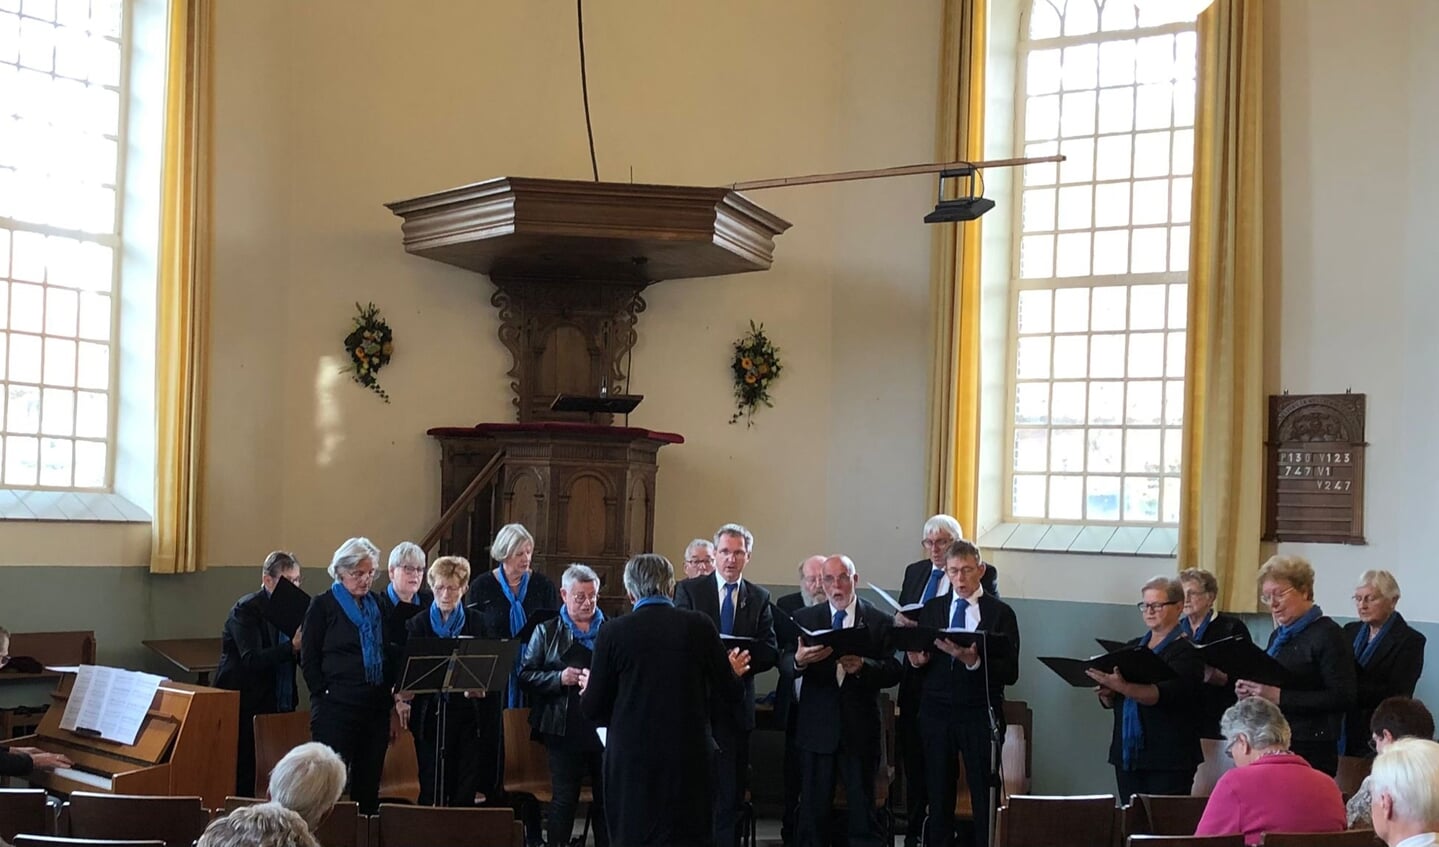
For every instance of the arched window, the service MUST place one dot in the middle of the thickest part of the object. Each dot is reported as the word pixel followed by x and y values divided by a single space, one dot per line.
pixel 1097 335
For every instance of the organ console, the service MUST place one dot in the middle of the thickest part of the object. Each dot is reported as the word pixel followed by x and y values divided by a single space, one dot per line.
pixel 186 746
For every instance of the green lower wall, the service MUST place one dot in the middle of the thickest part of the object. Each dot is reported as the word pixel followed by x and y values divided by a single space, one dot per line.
pixel 125 606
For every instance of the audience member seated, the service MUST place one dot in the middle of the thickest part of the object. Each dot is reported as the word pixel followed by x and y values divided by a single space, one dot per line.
pixel 1406 793
pixel 1270 788
pixel 265 825
pixel 20 761
pixel 308 781
pixel 1395 718
pixel 1389 653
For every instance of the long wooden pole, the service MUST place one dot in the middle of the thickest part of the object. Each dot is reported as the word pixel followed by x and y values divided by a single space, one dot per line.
pixel 880 173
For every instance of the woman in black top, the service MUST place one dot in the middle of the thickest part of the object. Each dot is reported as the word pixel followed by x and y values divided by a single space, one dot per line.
pixel 1320 663
pixel 550 673
pixel 1203 625
pixel 446 617
pixel 1388 655
pixel 347 658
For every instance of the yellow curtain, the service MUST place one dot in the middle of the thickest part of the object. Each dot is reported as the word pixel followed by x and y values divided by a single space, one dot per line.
pixel 182 308
pixel 1223 489
pixel 953 485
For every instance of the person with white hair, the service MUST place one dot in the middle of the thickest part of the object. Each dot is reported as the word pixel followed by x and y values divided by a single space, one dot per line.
pixel 406 595
pixel 1404 786
pixel 699 558
pixel 308 781
pixel 349 665
pixel 1388 654
pixel 262 825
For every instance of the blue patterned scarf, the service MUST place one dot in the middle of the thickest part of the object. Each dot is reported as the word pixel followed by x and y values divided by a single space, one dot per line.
pixel 1288 631
pixel 452 628
pixel 1197 635
pixel 1132 729
pixel 372 637
pixel 583 637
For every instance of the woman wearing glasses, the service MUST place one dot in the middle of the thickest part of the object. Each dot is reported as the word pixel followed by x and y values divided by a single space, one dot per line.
pixel 346 656
pixel 405 596
pixel 1312 648
pixel 1388 654
pixel 1155 745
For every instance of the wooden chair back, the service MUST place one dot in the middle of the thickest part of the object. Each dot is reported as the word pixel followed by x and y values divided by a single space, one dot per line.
pixel 400 778
pixel 430 826
pixel 1345 838
pixel 343 827
pixel 58 841
pixel 276 735
pixel 1158 814
pixel 177 821
pixel 24 810
pixel 1234 840
pixel 1038 821
pixel 1351 774
pixel 527 764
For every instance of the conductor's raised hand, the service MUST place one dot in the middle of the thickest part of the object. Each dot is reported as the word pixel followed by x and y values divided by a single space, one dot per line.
pixel 804 656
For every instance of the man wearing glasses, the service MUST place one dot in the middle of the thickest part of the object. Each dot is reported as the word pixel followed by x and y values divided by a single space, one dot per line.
pixel 699 558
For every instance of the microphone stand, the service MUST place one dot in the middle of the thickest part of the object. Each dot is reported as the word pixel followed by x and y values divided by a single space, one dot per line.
pixel 996 741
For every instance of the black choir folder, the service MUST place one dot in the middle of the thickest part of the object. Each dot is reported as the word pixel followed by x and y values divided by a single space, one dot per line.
pixel 286 606
pixel 1109 645
pixel 918 639
pixel 577 655
pixel 1135 664
pixel 759 652
pixel 1241 658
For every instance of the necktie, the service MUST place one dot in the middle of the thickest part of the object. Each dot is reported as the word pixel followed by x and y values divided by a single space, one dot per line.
pixel 838 624
pixel 960 607
pixel 932 588
pixel 727 610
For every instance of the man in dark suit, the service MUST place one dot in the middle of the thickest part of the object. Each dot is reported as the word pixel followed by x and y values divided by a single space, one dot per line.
pixel 811 592
pixel 656 704
pixel 923 580
pixel 259 661
pixel 961 701
pixel 838 728
pixel 738 608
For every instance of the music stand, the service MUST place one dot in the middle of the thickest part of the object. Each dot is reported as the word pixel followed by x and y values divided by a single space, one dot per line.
pixel 445 666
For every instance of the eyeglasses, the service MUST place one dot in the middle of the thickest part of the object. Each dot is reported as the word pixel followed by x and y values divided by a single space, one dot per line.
pixel 358 576
pixel 412 569
pixel 1267 599
pixel 704 561
pixel 584 599
pixel 1229 748
pixel 1366 599
pixel 939 543
pixel 1154 607
pixel 1374 743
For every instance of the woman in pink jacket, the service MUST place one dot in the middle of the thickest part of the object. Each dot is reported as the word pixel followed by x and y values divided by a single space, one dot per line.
pixel 1270 789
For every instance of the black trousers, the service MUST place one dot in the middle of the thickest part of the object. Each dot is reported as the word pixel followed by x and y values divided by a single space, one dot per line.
pixel 950 735
pixel 911 754
pixel 731 778
pixel 567 770
pixel 789 814
pixel 460 750
pixel 1321 755
pixel 360 735
pixel 1179 781
pixel 819 773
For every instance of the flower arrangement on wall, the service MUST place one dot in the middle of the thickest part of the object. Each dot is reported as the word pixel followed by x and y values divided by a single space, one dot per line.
pixel 370 345
pixel 756 365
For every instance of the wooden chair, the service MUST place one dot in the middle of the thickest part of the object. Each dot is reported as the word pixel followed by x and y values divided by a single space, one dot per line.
pixel 400 778
pixel 1351 774
pixel 1235 840
pixel 276 735
pixel 343 827
pixel 177 821
pixel 1157 814
pixel 527 765
pixel 1346 838
pixel 1036 821
pixel 57 841
pixel 427 826
pixel 24 810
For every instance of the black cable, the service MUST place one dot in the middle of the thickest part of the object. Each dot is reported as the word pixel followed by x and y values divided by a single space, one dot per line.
pixel 585 86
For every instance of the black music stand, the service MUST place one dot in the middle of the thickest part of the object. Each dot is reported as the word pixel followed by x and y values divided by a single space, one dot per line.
pixel 444 666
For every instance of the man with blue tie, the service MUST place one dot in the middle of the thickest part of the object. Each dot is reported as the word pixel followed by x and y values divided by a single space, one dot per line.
pixel 837 722
pixel 740 609
pixel 961 701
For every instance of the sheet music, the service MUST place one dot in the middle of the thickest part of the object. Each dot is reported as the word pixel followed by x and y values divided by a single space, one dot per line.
pixel 891 600
pixel 109 702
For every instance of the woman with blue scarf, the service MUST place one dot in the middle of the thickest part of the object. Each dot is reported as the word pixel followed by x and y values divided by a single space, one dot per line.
pixel 446 618
pixel 1389 654
pixel 550 672
pixel 1320 662
pixel 1155 746
pixel 348 665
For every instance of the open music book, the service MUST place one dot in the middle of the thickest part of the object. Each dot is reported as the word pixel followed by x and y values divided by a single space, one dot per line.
pixel 109 702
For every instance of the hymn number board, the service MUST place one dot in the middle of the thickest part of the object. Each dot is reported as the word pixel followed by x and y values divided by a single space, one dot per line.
pixel 1315 469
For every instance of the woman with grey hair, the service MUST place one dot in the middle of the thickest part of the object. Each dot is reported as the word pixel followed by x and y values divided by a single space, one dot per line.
pixel 262 825
pixel 1388 654
pixel 1270 789
pixel 309 780
pixel 554 662
pixel 1155 744
pixel 347 658
pixel 405 596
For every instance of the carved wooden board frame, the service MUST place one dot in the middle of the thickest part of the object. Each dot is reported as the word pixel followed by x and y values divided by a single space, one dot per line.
pixel 1314 468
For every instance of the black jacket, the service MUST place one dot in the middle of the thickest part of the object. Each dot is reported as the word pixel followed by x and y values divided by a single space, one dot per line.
pixel 832 718
pixel 1169 728
pixel 1217 698
pixel 752 619
pixel 916 577
pixel 541 665
pixel 15 764
pixel 252 657
pixel 1393 671
pixel 460 709
pixel 1324 684
pixel 488 601
pixel 399 625
pixel 333 661
pixel 948 686
pixel 784 694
